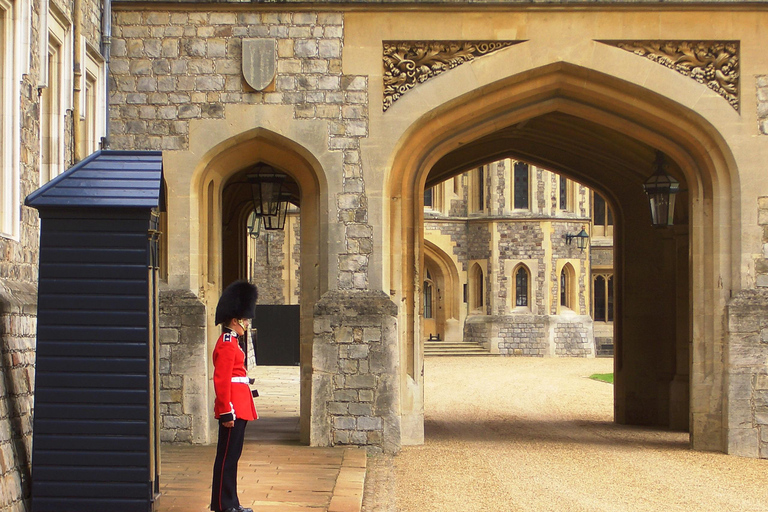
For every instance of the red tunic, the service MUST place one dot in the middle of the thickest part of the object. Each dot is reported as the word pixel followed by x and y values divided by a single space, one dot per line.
pixel 232 398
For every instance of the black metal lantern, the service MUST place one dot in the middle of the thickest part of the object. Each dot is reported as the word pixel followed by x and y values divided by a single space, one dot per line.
pixel 267 191
pixel 582 237
pixel 254 225
pixel 277 222
pixel 661 189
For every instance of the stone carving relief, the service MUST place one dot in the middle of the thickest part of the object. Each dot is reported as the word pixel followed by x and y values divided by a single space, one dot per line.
pixel 408 63
pixel 712 63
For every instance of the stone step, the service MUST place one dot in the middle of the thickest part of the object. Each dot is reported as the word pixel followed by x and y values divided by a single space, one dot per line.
pixel 454 348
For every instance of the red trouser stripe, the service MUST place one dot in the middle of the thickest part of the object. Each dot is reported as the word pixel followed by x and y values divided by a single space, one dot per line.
pixel 223 461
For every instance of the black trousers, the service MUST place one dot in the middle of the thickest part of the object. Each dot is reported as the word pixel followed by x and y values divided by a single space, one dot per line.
pixel 228 450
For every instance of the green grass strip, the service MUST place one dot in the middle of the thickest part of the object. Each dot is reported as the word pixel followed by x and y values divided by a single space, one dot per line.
pixel 603 377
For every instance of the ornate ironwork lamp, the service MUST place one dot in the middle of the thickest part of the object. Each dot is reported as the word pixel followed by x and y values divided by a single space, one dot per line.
pixel 582 237
pixel 661 189
pixel 270 200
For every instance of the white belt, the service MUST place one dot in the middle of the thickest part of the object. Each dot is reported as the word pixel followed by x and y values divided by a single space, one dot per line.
pixel 243 380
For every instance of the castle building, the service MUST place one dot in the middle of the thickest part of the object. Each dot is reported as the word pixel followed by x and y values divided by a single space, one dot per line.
pixel 503 269
pixel 363 106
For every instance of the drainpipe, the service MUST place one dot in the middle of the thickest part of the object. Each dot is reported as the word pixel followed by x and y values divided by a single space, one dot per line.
pixel 106 45
pixel 78 76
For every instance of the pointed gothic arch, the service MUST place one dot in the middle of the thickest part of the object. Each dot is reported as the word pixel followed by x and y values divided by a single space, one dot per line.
pixel 533 110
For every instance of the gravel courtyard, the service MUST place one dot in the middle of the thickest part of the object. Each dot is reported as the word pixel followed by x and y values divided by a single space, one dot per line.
pixel 523 434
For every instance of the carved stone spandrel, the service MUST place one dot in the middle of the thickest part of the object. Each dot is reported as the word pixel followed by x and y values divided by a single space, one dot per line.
pixel 712 63
pixel 408 63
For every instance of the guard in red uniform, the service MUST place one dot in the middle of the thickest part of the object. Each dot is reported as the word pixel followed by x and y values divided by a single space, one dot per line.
pixel 234 403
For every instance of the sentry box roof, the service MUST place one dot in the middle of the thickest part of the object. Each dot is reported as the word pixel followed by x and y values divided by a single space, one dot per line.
pixel 106 179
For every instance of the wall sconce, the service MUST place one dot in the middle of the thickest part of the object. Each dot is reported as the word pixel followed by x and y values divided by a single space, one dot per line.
pixel 661 189
pixel 581 239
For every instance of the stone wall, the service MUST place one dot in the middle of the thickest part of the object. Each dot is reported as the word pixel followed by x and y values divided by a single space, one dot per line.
pixel 762 103
pixel 355 385
pixel 761 259
pixel 183 368
pixel 18 311
pixel 523 335
pixel 170 67
pixel 524 241
pixel 268 266
pixel 562 250
pixel 747 374
pixel 530 335
pixel 573 336
pixel 457 230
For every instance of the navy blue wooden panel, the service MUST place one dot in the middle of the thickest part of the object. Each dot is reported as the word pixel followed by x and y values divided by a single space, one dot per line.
pixel 91 445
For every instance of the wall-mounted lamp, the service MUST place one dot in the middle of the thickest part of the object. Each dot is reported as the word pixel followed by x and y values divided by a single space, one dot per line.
pixel 661 189
pixel 581 239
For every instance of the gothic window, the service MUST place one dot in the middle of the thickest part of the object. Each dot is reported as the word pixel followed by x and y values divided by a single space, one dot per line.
pixel 563 194
pixel 567 279
pixel 521 186
pixel 428 197
pixel 6 127
pixel 602 298
pixel 521 286
pixel 602 216
pixel 427 299
pixel 481 189
pixel 477 296
pixel 54 98
pixel 92 107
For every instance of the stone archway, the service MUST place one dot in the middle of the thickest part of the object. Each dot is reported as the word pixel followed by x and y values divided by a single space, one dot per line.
pixel 601 131
pixel 447 293
pixel 221 163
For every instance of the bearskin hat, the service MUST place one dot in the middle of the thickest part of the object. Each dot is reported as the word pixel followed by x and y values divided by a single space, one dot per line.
pixel 238 300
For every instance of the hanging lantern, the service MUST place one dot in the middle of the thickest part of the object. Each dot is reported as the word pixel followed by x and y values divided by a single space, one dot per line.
pixel 661 189
pixel 267 191
pixel 277 222
pixel 254 225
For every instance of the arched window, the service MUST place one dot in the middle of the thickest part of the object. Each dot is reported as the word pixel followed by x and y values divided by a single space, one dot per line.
pixel 521 186
pixel 564 194
pixel 427 299
pixel 477 284
pixel 566 286
pixel 521 286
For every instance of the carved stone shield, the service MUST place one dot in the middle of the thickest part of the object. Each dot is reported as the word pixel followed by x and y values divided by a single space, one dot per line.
pixel 259 62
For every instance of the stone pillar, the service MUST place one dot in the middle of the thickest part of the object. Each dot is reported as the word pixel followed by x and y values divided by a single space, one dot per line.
pixel 747 374
pixel 183 368
pixel 355 371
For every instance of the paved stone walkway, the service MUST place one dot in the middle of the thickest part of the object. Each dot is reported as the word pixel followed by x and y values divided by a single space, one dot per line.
pixel 520 434
pixel 276 473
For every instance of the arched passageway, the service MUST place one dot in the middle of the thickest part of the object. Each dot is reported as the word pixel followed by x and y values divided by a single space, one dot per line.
pixel 223 211
pixel 603 132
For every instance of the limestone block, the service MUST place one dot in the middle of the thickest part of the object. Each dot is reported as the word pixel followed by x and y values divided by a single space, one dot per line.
pixel 325 357
pixel 743 442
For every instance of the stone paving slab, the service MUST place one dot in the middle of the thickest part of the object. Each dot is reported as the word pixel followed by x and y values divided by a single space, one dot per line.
pixel 276 473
